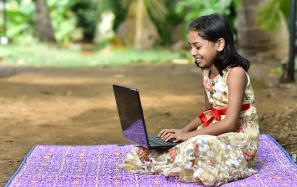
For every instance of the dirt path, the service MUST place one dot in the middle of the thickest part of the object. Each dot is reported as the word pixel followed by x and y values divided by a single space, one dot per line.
pixel 77 106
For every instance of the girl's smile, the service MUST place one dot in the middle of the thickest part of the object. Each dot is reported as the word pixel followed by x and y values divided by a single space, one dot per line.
pixel 198 60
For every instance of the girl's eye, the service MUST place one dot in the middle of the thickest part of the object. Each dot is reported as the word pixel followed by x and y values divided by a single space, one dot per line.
pixel 190 47
pixel 197 47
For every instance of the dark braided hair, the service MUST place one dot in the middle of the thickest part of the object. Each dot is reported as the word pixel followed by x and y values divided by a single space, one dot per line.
pixel 212 28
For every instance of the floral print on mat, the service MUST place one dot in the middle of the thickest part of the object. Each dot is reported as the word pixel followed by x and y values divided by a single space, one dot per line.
pixel 214 160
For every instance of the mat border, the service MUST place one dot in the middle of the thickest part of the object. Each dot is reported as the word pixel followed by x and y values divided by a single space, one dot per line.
pixel 21 165
pixel 287 154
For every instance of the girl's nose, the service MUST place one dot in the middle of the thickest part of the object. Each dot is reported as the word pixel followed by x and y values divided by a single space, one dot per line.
pixel 193 52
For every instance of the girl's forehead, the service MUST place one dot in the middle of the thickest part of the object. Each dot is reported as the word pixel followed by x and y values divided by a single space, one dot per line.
pixel 193 37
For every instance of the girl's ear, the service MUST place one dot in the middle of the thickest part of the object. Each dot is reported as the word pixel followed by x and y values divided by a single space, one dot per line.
pixel 221 44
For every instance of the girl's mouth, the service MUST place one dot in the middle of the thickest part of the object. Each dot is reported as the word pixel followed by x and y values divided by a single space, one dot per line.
pixel 198 60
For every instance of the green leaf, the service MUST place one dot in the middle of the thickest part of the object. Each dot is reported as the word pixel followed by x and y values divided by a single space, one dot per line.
pixel 15 29
pixel 237 4
pixel 202 7
pixel 157 9
pixel 271 13
pixel 14 14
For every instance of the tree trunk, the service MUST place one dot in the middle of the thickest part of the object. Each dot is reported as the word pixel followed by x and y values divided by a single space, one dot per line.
pixel 254 41
pixel 43 30
pixel 137 29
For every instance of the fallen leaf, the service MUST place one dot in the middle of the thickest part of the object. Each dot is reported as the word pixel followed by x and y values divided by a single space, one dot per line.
pixel 67 94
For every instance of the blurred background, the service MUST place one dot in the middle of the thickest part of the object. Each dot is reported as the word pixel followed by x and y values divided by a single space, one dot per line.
pixel 94 33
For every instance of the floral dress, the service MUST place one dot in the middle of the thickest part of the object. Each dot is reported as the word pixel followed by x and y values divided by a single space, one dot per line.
pixel 214 160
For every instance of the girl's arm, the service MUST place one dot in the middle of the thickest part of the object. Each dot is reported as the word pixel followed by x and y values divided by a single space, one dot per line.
pixel 237 82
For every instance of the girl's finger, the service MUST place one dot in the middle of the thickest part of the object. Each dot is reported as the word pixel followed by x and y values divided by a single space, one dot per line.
pixel 167 131
pixel 171 136
pixel 172 131
pixel 162 132
pixel 164 137
pixel 176 140
pixel 167 135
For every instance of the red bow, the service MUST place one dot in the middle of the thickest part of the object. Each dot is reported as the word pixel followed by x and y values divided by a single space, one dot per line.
pixel 214 113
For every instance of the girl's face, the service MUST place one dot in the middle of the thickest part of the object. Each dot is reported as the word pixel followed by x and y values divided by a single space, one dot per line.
pixel 202 50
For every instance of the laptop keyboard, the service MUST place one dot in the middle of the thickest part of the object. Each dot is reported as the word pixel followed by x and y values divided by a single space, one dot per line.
pixel 159 141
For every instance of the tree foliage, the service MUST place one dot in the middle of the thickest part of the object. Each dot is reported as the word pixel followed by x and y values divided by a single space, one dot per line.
pixel 20 18
pixel 65 16
pixel 271 13
pixel 161 15
pixel 192 9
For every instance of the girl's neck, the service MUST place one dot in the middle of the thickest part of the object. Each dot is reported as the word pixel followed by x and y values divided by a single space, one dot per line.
pixel 213 71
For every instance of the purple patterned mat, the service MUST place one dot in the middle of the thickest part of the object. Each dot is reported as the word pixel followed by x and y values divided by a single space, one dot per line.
pixel 47 165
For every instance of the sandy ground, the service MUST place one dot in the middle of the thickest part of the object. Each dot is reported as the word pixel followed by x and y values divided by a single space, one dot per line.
pixel 77 106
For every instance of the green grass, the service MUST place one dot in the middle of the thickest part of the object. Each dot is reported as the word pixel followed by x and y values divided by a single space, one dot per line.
pixel 44 55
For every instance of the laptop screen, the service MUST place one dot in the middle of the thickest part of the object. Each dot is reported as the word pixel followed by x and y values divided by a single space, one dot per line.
pixel 130 113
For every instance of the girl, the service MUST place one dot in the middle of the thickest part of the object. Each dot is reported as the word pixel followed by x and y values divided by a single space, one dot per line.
pixel 221 144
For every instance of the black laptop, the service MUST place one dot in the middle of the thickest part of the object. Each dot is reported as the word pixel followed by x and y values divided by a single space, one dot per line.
pixel 132 120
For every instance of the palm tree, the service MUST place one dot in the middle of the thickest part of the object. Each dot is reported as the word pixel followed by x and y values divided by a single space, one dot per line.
pixel 262 29
pixel 43 30
pixel 271 17
pixel 137 29
pixel 272 13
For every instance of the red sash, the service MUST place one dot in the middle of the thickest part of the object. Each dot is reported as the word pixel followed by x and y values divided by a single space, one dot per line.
pixel 216 114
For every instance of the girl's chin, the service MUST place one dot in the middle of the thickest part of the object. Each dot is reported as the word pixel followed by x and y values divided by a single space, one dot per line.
pixel 201 65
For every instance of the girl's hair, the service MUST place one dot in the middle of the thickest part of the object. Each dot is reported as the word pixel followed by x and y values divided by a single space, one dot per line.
pixel 211 28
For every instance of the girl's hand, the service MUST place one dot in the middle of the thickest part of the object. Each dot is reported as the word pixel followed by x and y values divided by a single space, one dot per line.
pixel 165 132
pixel 178 137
